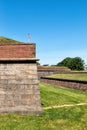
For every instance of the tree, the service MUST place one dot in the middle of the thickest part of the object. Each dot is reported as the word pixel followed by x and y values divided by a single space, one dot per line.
pixel 66 62
pixel 73 63
pixel 37 63
pixel 77 64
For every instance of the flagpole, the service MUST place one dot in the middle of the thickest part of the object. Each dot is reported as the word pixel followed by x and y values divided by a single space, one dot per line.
pixel 29 37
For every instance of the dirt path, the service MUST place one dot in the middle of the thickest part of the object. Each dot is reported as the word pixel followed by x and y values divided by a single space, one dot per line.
pixel 66 105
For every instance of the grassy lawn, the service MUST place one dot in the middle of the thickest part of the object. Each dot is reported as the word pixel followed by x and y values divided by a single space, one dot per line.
pixel 51 95
pixel 67 118
pixel 71 76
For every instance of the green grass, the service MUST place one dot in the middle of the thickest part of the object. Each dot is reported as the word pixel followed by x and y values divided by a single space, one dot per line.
pixel 71 76
pixel 4 40
pixel 51 95
pixel 67 118
pixel 74 118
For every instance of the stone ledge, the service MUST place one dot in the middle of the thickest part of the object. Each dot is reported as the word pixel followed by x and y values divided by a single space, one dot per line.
pixel 19 59
pixel 67 80
pixel 74 84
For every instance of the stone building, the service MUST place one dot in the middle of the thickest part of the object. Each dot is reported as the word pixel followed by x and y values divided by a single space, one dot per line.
pixel 19 92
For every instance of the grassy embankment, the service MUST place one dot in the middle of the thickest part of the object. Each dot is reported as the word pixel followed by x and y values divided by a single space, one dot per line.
pixel 4 40
pixel 67 118
pixel 70 76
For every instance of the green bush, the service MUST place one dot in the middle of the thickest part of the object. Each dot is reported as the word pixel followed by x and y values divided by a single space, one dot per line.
pixel 73 63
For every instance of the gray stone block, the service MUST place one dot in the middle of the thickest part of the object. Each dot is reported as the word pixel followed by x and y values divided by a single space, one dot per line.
pixel 19 92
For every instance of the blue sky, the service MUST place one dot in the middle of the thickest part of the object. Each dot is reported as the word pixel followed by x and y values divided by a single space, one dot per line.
pixel 58 27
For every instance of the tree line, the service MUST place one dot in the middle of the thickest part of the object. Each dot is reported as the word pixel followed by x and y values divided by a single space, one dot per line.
pixel 76 63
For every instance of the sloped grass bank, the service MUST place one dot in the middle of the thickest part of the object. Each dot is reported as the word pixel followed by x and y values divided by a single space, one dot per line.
pixel 70 76
pixel 51 95
pixel 67 118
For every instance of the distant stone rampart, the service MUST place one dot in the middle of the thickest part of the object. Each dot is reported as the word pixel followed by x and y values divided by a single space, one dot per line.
pixel 75 84
pixel 46 71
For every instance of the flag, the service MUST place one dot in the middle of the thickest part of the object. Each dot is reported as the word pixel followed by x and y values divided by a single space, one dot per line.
pixel 29 36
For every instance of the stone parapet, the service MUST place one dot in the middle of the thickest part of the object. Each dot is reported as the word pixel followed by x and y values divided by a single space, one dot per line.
pixel 17 51
pixel 75 84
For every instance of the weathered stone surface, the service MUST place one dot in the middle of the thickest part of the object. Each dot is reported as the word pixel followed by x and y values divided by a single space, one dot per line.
pixel 75 84
pixel 19 92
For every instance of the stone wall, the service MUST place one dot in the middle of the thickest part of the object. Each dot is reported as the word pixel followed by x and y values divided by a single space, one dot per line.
pixel 75 84
pixel 19 92
pixel 46 70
